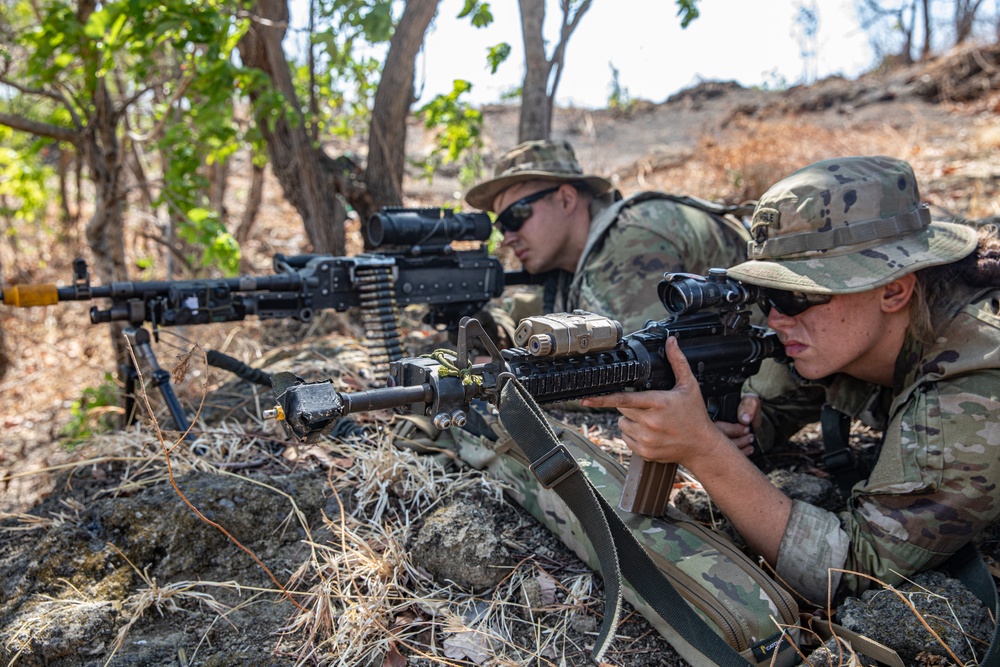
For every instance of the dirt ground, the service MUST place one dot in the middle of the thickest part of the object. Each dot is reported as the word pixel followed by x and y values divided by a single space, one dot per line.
pixel 256 551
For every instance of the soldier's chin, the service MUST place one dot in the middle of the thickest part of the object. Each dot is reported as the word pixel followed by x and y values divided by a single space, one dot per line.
pixel 808 372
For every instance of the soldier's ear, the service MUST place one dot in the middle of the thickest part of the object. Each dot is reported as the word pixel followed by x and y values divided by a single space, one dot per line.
pixel 568 197
pixel 897 294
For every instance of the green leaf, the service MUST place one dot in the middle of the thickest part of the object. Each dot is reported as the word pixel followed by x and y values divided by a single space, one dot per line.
pixel 97 25
pixel 116 30
pixel 688 11
pixel 495 55
pixel 63 60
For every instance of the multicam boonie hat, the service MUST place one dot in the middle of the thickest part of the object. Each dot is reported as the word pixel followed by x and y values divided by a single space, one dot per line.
pixel 534 161
pixel 847 225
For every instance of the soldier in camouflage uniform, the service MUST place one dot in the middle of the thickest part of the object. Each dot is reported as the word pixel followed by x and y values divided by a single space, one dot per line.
pixel 612 251
pixel 897 318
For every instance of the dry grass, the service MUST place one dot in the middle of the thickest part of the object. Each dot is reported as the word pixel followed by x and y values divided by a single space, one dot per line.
pixel 749 155
pixel 367 599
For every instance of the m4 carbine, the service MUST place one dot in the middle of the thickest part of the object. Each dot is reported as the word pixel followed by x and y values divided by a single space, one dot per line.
pixel 414 263
pixel 568 356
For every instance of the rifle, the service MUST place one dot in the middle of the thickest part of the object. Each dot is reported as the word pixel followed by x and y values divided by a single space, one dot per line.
pixel 568 356
pixel 416 264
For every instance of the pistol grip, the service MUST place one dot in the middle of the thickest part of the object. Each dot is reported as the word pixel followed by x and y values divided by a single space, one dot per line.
pixel 647 487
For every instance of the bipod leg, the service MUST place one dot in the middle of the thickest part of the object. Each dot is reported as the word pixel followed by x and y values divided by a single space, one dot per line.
pixel 139 338
pixel 129 375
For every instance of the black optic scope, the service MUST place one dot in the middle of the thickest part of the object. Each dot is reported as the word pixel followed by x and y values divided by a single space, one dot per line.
pixel 427 227
pixel 686 293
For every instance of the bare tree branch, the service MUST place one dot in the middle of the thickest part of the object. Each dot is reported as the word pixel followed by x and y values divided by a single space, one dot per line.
pixel 52 95
pixel 41 129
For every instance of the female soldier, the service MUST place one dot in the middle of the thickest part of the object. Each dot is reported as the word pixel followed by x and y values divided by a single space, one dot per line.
pixel 897 317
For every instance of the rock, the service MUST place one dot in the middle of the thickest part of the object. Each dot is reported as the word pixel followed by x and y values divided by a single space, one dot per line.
pixel 460 543
pixel 816 491
pixel 944 603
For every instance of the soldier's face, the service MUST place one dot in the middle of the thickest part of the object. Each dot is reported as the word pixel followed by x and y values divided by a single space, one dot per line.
pixel 540 241
pixel 851 334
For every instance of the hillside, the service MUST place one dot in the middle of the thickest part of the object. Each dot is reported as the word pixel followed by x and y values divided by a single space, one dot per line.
pixel 103 562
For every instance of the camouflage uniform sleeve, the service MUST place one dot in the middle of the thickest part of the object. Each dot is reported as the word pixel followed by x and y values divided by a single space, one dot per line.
pixel 649 239
pixel 932 490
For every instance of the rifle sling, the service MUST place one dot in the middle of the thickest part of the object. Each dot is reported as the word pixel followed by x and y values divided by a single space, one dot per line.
pixel 556 469
pixel 611 538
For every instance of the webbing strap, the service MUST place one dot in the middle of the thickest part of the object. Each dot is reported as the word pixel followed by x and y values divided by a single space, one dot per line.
pixel 524 421
pixel 839 237
pixel 649 582
pixel 859 643
pixel 608 534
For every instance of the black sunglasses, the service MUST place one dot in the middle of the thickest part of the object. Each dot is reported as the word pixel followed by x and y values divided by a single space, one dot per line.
pixel 515 215
pixel 789 303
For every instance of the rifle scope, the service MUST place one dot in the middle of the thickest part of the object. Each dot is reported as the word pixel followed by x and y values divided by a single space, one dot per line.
pixel 426 227
pixel 685 292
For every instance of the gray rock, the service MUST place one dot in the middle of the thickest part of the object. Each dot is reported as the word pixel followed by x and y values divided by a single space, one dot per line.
pixel 947 606
pixel 816 491
pixel 460 543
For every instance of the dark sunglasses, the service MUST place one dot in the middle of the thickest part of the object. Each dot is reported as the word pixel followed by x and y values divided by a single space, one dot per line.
pixel 515 215
pixel 789 303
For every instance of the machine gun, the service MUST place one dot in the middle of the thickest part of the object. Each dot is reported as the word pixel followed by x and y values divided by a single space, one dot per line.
pixel 568 356
pixel 414 263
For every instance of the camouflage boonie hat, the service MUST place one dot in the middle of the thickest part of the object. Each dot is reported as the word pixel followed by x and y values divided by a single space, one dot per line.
pixel 534 161
pixel 847 225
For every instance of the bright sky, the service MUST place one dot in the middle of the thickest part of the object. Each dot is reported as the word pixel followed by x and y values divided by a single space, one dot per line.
pixel 752 42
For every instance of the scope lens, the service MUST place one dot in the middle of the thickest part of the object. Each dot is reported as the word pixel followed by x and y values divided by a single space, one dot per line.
pixel 690 293
pixel 376 231
pixel 426 227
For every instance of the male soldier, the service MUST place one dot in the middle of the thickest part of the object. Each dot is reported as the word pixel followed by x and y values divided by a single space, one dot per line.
pixel 611 252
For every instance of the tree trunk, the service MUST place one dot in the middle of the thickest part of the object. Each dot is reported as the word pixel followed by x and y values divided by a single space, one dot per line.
pixel 925 51
pixel 965 16
pixel 218 179
pixel 534 120
pixel 387 141
pixel 307 176
pixel 907 54
pixel 254 198
pixel 67 218
pixel 106 229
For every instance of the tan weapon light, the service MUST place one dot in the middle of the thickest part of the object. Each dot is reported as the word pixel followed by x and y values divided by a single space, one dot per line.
pixel 578 332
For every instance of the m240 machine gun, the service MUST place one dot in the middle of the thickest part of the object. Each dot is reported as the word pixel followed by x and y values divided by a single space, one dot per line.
pixel 413 263
pixel 568 356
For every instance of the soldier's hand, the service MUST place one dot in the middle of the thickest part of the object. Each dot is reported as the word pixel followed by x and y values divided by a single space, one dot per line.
pixel 668 425
pixel 741 433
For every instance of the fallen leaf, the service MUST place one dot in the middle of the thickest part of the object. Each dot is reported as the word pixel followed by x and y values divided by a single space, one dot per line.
pixel 471 645
pixel 393 658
